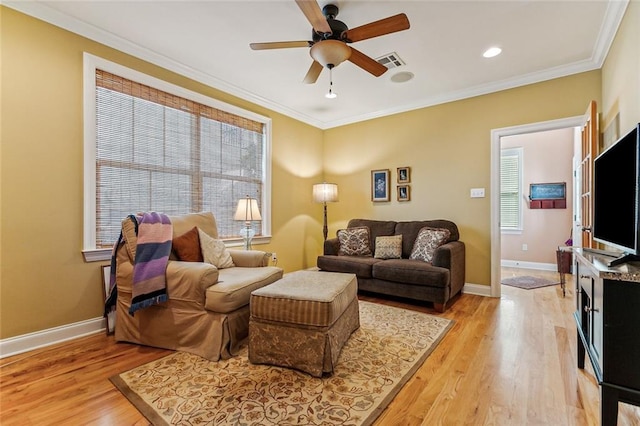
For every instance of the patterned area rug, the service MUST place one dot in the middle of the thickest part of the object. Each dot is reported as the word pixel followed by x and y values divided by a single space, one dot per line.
pixel 377 360
pixel 528 282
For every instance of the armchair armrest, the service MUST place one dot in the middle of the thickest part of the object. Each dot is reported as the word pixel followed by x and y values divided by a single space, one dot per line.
pixel 332 246
pixel 190 280
pixel 250 258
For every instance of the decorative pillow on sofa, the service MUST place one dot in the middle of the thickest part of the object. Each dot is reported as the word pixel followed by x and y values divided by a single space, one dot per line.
pixel 354 241
pixel 187 246
pixel 427 241
pixel 388 247
pixel 214 251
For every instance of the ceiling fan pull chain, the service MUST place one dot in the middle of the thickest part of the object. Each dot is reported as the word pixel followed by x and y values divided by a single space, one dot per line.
pixel 330 95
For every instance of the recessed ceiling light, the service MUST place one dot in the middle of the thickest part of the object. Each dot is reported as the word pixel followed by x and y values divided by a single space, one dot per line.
pixel 491 52
pixel 402 77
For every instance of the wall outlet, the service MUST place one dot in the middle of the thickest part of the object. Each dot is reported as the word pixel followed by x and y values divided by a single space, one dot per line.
pixel 274 257
pixel 525 247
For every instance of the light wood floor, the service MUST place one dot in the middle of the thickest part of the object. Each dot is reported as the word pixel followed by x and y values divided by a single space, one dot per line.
pixel 507 361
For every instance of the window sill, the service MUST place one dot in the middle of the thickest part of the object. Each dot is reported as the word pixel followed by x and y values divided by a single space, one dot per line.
pixel 100 255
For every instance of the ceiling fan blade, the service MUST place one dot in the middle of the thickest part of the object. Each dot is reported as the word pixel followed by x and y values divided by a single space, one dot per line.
pixel 314 15
pixel 366 63
pixel 384 26
pixel 279 45
pixel 313 73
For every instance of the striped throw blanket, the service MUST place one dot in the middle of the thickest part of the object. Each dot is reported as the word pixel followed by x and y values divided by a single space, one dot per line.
pixel 150 265
pixel 153 248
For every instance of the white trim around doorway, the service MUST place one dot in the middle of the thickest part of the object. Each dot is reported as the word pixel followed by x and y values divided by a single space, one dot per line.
pixel 496 134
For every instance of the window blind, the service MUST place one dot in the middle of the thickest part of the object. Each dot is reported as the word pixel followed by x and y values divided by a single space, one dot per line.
pixel 510 191
pixel 156 151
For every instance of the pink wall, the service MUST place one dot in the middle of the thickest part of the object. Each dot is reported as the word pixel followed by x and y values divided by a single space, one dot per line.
pixel 547 157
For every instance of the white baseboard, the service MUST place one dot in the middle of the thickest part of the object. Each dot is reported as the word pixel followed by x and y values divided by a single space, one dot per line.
pixel 529 265
pixel 477 289
pixel 28 342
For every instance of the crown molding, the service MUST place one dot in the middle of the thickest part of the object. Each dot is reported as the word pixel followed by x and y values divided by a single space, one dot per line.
pixel 613 16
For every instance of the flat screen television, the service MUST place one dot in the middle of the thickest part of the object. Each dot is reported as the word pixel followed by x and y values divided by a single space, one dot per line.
pixel 616 196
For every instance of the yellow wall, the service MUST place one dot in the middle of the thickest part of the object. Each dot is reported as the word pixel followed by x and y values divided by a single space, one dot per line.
pixel 621 74
pixel 448 149
pixel 44 280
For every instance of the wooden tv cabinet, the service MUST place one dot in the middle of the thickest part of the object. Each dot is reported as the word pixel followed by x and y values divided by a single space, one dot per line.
pixel 608 322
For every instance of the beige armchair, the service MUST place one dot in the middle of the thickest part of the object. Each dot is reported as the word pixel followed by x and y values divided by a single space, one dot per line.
pixel 207 312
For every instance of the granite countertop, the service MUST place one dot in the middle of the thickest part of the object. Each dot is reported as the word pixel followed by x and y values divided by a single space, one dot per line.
pixel 599 259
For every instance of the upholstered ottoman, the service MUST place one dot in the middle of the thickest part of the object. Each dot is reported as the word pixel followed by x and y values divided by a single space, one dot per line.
pixel 302 320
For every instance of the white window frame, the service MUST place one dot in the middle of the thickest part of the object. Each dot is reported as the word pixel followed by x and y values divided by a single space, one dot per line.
pixel 91 63
pixel 518 152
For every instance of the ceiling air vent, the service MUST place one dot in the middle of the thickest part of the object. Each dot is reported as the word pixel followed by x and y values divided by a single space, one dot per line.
pixel 390 60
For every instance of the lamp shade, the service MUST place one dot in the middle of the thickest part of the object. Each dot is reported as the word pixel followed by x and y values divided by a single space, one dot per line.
pixel 325 192
pixel 330 52
pixel 247 210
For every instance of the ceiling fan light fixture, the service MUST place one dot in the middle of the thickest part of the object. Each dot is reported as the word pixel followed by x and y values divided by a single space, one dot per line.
pixel 330 52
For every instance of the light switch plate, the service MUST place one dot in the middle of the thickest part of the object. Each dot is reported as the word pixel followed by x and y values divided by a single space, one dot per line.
pixel 477 192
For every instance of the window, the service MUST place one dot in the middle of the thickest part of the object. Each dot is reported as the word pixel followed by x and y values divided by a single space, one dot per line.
pixel 152 146
pixel 511 189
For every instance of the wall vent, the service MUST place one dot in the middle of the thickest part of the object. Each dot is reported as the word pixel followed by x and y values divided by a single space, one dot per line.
pixel 391 60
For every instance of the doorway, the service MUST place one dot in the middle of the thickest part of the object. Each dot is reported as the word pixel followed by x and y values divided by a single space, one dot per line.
pixel 496 136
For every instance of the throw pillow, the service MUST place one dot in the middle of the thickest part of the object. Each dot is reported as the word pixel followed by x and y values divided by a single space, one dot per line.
pixel 214 251
pixel 354 241
pixel 187 246
pixel 428 240
pixel 388 247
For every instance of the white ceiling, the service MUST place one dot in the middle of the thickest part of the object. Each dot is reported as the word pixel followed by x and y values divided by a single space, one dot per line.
pixel 209 42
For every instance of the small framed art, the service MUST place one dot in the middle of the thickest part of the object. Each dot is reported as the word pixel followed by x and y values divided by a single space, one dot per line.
pixel 111 317
pixel 380 185
pixel 404 193
pixel 404 174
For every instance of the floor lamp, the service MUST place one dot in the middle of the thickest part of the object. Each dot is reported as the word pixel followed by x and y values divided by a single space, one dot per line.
pixel 248 212
pixel 325 193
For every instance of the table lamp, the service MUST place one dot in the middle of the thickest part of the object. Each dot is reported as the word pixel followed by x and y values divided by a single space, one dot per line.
pixel 248 212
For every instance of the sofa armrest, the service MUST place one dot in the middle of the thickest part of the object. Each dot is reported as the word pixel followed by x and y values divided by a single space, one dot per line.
pixel 452 256
pixel 331 246
pixel 190 280
pixel 250 258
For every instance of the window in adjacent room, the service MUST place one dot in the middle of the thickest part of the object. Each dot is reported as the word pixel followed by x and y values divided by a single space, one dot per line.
pixel 153 146
pixel 511 189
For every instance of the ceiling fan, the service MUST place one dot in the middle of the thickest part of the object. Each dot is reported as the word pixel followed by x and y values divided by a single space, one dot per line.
pixel 330 37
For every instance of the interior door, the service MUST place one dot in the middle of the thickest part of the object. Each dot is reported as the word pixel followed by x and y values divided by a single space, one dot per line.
pixel 590 135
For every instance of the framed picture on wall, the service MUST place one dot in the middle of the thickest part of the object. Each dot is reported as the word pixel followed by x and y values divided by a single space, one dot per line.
pixel 404 174
pixel 111 317
pixel 380 185
pixel 404 193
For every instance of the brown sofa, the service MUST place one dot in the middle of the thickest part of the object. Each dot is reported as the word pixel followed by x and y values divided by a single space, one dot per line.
pixel 207 313
pixel 435 282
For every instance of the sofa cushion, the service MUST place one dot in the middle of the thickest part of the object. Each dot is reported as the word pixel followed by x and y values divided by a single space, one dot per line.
pixel 234 287
pixel 214 251
pixel 376 228
pixel 354 242
pixel 359 265
pixel 408 271
pixel 388 247
pixel 187 246
pixel 410 230
pixel 428 240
